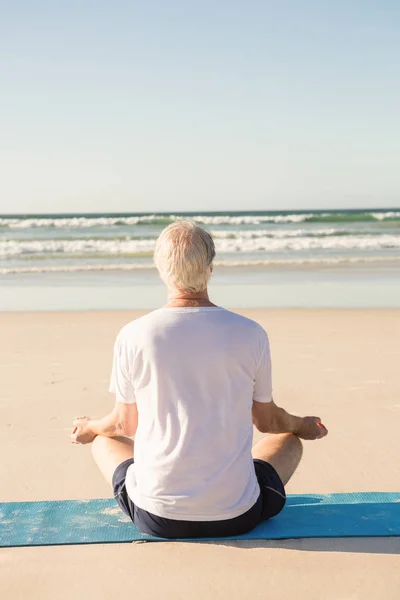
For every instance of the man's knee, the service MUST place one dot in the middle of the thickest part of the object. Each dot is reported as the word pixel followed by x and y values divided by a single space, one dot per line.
pixel 99 443
pixel 102 444
pixel 293 443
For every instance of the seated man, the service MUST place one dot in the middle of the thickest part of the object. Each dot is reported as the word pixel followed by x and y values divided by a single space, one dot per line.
pixel 190 381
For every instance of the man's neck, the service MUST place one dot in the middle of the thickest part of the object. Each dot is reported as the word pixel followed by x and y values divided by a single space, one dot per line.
pixel 177 299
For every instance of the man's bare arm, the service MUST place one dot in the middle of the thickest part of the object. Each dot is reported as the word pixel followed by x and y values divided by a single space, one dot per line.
pixel 122 421
pixel 270 418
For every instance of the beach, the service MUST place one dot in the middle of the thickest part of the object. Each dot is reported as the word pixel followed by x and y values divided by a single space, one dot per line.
pixel 274 129
pixel 339 364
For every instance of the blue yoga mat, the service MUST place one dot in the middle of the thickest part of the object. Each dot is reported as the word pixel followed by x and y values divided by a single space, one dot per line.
pixel 100 521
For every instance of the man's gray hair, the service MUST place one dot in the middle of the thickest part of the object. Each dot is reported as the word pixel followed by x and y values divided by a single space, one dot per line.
pixel 183 255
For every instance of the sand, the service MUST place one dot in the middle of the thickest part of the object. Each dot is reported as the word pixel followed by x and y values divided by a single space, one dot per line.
pixel 342 365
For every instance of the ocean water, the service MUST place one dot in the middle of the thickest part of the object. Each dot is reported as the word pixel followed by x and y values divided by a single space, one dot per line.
pixel 296 258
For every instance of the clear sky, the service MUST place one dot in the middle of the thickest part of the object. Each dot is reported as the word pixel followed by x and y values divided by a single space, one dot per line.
pixel 199 105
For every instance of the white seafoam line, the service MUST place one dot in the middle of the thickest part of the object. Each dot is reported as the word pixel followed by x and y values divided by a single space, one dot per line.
pixel 284 263
pixel 84 247
pixel 83 222
pixel 157 219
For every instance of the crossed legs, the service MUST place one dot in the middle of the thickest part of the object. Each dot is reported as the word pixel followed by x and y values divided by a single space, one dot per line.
pixel 283 451
pixel 109 452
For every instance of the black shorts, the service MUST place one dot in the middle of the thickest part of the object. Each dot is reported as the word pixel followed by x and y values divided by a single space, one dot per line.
pixel 270 502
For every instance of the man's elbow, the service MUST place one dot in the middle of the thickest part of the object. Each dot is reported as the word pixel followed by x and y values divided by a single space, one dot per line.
pixel 261 426
pixel 131 430
pixel 126 428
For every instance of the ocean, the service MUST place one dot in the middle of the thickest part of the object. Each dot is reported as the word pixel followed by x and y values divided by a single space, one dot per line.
pixel 288 258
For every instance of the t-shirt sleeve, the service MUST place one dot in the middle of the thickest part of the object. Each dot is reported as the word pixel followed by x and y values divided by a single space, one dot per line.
pixel 262 391
pixel 121 383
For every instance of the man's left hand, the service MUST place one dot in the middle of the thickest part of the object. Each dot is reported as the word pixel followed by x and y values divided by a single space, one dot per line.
pixel 82 432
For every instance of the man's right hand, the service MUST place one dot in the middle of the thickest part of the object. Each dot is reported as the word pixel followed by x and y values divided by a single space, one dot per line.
pixel 311 428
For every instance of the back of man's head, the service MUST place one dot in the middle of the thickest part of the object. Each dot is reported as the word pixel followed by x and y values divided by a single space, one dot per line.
pixel 183 255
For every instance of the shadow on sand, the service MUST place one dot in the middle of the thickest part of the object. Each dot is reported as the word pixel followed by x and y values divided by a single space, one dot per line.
pixel 384 545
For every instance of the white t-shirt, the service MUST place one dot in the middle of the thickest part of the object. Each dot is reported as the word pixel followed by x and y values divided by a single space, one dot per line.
pixel 194 373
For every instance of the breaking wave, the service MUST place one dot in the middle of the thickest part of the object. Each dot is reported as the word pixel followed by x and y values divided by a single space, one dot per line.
pixel 89 221
pixel 77 248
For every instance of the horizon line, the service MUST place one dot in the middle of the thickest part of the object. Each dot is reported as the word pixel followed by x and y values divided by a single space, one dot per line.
pixel 198 212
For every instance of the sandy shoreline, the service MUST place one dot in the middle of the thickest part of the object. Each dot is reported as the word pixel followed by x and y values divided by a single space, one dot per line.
pixel 342 365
